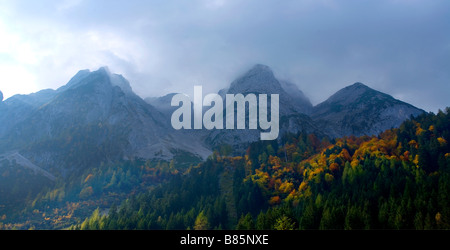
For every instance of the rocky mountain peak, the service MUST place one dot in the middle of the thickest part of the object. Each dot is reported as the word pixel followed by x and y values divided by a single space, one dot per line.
pixel 259 79
pixel 351 93
pixel 102 75
pixel 358 84
pixel 260 69
pixel 360 110
pixel 107 121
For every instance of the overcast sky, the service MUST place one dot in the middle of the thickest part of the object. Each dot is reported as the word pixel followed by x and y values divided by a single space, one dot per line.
pixel 400 47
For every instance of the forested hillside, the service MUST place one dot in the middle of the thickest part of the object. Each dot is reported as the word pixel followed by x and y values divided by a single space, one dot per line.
pixel 39 204
pixel 399 179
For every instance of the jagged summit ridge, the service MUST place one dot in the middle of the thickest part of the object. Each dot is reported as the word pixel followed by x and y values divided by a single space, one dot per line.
pixel 94 118
pixel 259 79
pixel 293 106
pixel 102 74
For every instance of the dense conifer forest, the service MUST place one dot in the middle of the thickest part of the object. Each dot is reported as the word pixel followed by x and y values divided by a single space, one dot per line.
pixel 399 179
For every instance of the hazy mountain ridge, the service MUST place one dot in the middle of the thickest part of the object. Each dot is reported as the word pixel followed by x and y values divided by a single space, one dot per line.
pixel 359 110
pixel 95 125
pixel 96 117
pixel 356 109
pixel 261 80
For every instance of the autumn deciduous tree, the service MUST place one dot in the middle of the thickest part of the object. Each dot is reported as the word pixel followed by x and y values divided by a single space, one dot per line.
pixel 399 179
pixel 201 222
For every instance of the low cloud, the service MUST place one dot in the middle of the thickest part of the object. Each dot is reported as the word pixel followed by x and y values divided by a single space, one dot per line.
pixel 399 47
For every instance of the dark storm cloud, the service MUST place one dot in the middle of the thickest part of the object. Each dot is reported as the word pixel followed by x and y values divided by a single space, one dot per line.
pixel 399 47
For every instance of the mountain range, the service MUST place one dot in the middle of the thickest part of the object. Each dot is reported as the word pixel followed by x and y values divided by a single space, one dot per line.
pixel 97 118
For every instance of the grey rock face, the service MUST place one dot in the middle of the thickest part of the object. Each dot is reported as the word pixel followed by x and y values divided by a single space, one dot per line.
pixel 293 107
pixel 261 80
pixel 359 110
pixel 94 118
pixel 162 103
pixel 24 162
pixel 297 97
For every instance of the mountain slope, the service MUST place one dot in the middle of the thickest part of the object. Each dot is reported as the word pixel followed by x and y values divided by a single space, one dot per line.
pixel 94 118
pixel 260 79
pixel 379 182
pixel 360 110
pixel 294 107
pixel 14 157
